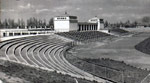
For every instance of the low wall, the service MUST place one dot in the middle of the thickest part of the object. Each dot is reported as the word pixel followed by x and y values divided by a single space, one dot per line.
pixel 142 29
pixel 6 34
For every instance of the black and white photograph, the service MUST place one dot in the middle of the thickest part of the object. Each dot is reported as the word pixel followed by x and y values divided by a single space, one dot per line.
pixel 74 41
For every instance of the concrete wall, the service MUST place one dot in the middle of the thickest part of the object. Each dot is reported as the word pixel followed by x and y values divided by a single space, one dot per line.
pixel 6 34
pixel 74 27
pixel 61 26
pixel 141 29
pixel 101 25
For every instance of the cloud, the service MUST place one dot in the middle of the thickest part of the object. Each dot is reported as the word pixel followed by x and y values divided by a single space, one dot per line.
pixel 120 18
pixel 7 10
pixel 97 9
pixel 28 6
pixel 121 7
pixel 100 8
pixel 108 15
pixel 107 9
pixel 78 9
pixel 61 8
pixel 41 10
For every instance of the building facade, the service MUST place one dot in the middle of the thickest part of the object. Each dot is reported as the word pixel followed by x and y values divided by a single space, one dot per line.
pixel 65 23
pixel 68 23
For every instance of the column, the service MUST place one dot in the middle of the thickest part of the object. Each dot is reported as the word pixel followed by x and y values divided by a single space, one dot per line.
pixel 2 34
pixel 79 28
pixel 25 27
pixel 97 27
pixel 13 33
pixel 28 32
pixel 7 34
pixel 83 27
pixel 90 27
pixel 87 27
pixel 37 32
pixel 21 33
pixel 94 27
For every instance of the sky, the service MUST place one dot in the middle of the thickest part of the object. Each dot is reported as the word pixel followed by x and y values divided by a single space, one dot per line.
pixel 111 10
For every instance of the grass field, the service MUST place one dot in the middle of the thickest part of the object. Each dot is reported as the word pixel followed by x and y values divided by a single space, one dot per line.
pixel 122 49
pixel 11 72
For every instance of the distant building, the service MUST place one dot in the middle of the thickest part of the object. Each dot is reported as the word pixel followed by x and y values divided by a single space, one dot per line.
pixel 66 23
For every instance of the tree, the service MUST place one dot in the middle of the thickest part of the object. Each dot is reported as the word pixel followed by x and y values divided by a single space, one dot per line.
pixel 5 24
pixel 32 22
pixel 146 19
pixel 135 24
pixel 11 23
pixel 21 23
pixel 106 24
pixel 51 22
pixel 127 23
pixel 44 23
pixel 1 25
pixel 121 24
pixel 117 25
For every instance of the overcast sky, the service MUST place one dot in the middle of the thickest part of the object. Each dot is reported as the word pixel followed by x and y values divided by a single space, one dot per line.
pixel 111 10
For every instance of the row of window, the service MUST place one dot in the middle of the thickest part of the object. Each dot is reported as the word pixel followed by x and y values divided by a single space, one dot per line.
pixel 61 18
pixel 87 28
pixel 17 34
pixel 94 20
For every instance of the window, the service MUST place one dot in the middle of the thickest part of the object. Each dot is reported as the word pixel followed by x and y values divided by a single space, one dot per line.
pixel 4 34
pixel 10 34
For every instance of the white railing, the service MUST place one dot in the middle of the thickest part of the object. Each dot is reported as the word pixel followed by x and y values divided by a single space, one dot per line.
pixel 6 34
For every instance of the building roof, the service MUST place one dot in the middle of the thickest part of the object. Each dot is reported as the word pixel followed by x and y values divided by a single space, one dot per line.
pixel 87 23
pixel 67 15
pixel 95 17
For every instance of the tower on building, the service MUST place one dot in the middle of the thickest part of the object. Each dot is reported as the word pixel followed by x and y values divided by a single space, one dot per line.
pixel 100 22
pixel 65 23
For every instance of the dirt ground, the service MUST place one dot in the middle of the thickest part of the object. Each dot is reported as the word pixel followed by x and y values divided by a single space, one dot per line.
pixel 121 49
pixel 11 79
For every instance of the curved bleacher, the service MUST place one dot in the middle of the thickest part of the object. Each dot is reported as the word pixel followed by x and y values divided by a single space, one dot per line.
pixel 45 52
pixel 144 46
pixel 84 35
pixel 119 32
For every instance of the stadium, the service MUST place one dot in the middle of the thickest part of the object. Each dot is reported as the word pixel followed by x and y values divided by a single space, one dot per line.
pixel 44 55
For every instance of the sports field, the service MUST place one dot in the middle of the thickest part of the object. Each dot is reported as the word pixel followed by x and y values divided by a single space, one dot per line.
pixel 121 49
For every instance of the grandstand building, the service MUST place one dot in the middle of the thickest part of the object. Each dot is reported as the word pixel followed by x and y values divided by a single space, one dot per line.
pixel 66 23
pixel 63 23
